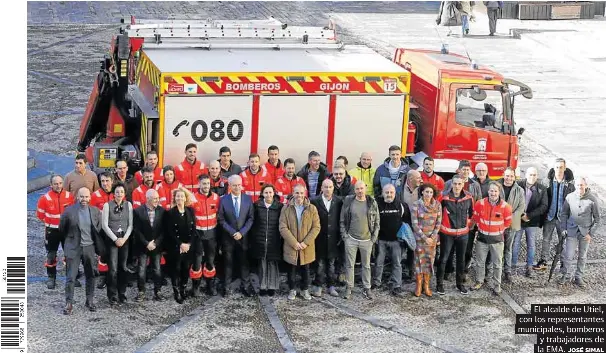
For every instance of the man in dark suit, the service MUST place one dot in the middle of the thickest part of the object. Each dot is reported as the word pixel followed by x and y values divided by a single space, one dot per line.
pixel 327 242
pixel 80 225
pixel 236 215
pixel 148 233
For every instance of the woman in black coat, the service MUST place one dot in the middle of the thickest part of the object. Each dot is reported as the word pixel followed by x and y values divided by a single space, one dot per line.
pixel 180 233
pixel 265 242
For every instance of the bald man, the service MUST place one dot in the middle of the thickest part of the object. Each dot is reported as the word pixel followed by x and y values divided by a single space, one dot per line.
pixel 359 225
pixel 365 172
pixel 536 203
pixel 147 226
pixel 218 183
pixel 410 192
pixel 80 225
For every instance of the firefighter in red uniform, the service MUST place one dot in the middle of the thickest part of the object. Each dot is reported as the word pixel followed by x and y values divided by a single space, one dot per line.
pixel 286 183
pixel 206 206
pixel 169 184
pixel 218 183
pixel 429 176
pixel 151 161
pixel 274 165
pixel 253 177
pixel 148 183
pixel 98 199
pixel 190 169
pixel 50 207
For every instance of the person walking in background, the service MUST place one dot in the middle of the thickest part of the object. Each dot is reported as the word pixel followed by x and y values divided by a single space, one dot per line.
pixel 426 218
pixel 580 221
pixel 466 10
pixel 265 240
pixel 532 218
pixel 299 226
pixel 493 10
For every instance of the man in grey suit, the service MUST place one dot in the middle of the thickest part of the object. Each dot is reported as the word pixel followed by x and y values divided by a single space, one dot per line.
pixel 80 225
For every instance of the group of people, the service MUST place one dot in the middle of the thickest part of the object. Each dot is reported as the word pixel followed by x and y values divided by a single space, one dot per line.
pixel 452 13
pixel 203 223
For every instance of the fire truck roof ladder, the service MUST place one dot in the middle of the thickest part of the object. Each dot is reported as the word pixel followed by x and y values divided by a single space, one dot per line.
pixel 229 34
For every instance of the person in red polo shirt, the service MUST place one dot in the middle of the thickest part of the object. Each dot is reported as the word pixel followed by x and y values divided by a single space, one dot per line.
pixel 139 197
pixel 274 165
pixel 50 207
pixel 429 176
pixel 287 182
pixel 188 172
pixel 254 177
pixel 151 161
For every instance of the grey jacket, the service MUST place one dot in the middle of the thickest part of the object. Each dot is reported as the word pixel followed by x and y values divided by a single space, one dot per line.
pixel 68 227
pixel 373 217
pixel 580 212
pixel 517 201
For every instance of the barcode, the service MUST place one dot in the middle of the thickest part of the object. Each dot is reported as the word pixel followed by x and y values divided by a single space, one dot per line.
pixel 11 330
pixel 15 275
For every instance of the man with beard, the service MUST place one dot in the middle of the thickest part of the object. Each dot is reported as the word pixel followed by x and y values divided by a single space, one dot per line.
pixel 218 183
pixel 253 177
pixel 190 169
pixel 121 176
pixel 148 183
pixel 274 165
pixel 287 182
pixel 342 182
pixel 151 161
pixel 429 176
pixel 98 199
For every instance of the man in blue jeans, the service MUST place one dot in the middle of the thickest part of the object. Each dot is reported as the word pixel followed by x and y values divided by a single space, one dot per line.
pixel 580 220
pixel 532 219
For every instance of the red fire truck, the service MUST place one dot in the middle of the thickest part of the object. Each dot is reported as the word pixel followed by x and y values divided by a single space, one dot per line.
pixel 251 84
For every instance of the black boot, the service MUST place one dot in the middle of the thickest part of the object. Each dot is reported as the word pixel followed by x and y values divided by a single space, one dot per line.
pixel 51 282
pixel 195 290
pixel 101 283
pixel 182 292
pixel 212 286
pixel 157 296
pixel 177 295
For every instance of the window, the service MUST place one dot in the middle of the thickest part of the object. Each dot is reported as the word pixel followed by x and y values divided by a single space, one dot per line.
pixel 479 108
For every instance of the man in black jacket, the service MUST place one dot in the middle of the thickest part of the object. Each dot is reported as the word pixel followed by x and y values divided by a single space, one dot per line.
pixel 314 173
pixel 457 210
pixel 342 181
pixel 559 183
pixel 532 218
pixel 392 213
pixel 327 248
pixel 147 225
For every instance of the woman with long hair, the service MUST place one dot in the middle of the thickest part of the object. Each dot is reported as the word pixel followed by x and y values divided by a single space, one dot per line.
pixel 265 240
pixel 180 233
pixel 169 184
pixel 117 223
pixel 426 217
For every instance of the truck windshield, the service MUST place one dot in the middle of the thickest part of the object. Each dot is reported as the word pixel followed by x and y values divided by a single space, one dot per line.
pixel 480 108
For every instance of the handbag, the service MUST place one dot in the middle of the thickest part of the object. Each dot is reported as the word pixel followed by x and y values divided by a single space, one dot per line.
pixel 406 235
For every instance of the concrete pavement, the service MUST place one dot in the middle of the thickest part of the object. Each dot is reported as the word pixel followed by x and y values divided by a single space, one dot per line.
pixel 564 62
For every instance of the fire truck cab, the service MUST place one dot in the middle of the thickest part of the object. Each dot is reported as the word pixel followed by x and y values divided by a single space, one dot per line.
pixel 461 110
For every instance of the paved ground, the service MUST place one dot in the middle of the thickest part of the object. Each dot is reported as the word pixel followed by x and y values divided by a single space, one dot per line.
pixel 63 49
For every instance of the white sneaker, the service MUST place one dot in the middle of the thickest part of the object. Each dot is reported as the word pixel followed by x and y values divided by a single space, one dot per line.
pixel 292 295
pixel 306 295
